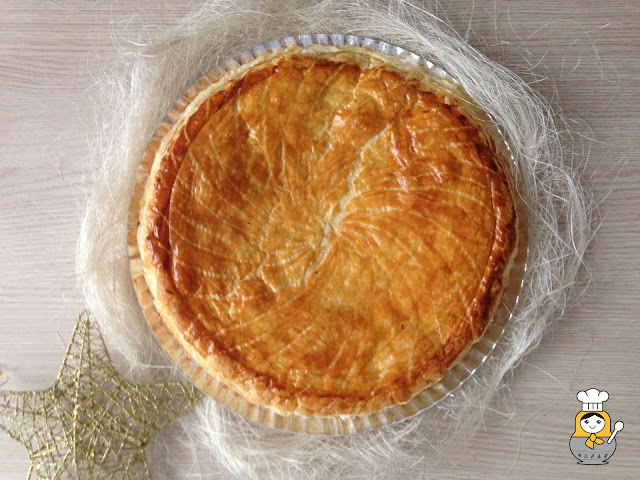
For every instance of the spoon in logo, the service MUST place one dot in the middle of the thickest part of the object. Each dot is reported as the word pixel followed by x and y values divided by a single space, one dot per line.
pixel 617 427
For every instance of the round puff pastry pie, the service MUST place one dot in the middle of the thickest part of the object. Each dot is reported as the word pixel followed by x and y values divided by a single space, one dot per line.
pixel 327 230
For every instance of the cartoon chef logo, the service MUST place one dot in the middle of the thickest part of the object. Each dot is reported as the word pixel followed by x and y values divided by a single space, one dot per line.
pixel 593 443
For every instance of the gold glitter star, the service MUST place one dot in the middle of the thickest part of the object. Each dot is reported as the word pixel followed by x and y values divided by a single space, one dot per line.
pixel 92 423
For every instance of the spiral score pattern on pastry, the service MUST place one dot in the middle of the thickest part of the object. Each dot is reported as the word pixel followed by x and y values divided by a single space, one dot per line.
pixel 326 236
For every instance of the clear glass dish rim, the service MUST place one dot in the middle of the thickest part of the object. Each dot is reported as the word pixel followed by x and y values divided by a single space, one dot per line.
pixel 431 396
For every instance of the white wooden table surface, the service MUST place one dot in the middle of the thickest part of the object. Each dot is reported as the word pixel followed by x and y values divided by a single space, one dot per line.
pixel 48 51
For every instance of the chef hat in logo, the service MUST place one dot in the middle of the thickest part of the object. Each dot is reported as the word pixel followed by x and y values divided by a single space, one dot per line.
pixel 592 399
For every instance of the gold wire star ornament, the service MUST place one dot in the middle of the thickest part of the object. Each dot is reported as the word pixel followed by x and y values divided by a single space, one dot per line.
pixel 91 423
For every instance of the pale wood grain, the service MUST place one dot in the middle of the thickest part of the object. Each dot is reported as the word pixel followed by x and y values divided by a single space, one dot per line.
pixel 48 52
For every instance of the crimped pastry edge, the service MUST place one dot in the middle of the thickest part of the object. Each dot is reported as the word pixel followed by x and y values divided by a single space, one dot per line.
pixel 413 72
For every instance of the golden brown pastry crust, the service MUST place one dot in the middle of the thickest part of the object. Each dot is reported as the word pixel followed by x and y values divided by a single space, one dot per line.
pixel 327 232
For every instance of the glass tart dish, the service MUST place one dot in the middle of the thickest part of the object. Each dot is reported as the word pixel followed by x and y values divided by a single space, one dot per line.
pixel 325 234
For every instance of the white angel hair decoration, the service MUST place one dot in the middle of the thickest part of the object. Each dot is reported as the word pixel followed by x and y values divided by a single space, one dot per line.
pixel 157 72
